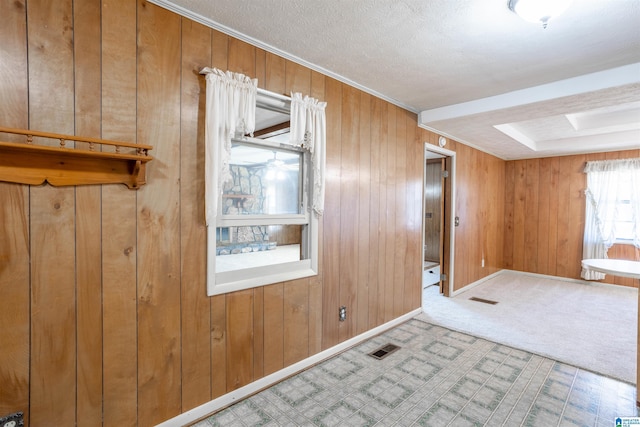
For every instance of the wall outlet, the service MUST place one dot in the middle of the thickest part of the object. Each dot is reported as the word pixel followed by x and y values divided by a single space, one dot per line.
pixel 342 313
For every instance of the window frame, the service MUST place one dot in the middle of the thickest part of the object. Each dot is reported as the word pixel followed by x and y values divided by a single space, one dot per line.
pixel 235 280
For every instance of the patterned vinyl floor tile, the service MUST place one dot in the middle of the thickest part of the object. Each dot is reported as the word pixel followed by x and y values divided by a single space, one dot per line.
pixel 437 378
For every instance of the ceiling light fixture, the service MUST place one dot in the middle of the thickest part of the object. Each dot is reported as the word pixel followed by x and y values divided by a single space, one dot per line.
pixel 539 11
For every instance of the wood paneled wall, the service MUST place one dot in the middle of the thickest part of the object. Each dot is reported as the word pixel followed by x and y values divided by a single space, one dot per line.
pixel 545 216
pixel 105 317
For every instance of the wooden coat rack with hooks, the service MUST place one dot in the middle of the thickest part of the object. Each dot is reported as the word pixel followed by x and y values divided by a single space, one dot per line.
pixel 31 158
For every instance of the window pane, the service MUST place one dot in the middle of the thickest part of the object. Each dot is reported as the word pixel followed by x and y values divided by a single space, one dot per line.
pixel 255 246
pixel 266 181
pixel 624 224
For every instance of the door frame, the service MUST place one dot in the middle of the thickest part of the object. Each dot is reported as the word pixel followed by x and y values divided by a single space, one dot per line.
pixel 450 214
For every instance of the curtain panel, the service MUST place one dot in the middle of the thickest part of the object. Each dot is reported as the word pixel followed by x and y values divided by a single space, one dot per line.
pixel 308 130
pixel 603 194
pixel 230 111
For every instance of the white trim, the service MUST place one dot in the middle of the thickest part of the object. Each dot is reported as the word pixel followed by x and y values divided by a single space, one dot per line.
pixel 257 43
pixel 452 235
pixel 539 275
pixel 458 140
pixel 267 219
pixel 476 283
pixel 204 410
pixel 614 77
pixel 238 280
pixel 564 279
pixel 223 282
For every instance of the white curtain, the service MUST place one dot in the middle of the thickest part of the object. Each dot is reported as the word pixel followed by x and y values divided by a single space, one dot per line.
pixel 635 201
pixel 230 111
pixel 308 129
pixel 603 183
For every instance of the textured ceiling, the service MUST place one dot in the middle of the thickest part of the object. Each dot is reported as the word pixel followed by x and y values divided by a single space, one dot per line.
pixel 428 54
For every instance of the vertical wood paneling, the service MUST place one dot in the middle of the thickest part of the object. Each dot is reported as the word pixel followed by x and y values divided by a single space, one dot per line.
pixel 296 319
pixel 195 306
pixel 380 118
pixel 554 202
pixel 219 50
pixel 564 217
pixel 479 224
pixel 389 189
pixel 349 158
pixel 14 218
pixel 52 224
pixel 553 230
pixel 239 335
pixel 13 64
pixel 467 219
pixel 53 331
pixel 273 328
pixel 14 287
pixel 361 306
pixel 461 212
pixel 276 74
pixel 414 158
pixel 297 79
pixel 519 215
pixel 400 240
pixel 577 210
pixel 331 217
pixel 497 215
pixel 87 55
pixel 509 224
pixel 119 244
pixel 531 206
pixel 242 57
pixel 261 68
pixel 159 216
pixel 374 214
pixel 258 333
pixel 462 250
pixel 542 229
pixel 51 82
pixel 218 346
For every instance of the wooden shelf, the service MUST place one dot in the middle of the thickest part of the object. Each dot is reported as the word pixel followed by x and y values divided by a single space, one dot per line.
pixel 88 161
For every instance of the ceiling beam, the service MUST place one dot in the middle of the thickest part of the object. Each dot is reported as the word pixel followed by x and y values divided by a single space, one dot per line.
pixel 614 77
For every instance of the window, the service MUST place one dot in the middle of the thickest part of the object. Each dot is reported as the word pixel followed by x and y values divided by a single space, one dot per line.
pixel 266 198
pixel 612 213
pixel 624 223
pixel 265 230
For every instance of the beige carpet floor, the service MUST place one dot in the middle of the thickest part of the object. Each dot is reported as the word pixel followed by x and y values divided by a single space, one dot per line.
pixel 590 326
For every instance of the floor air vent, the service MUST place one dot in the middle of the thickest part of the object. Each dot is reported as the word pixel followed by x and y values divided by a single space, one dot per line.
pixel 384 351
pixel 486 301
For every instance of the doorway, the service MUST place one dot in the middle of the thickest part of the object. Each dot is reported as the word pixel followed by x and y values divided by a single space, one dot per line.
pixel 438 220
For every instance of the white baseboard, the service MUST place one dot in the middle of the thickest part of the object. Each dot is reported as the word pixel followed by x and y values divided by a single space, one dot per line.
pixel 526 273
pixel 476 283
pixel 562 279
pixel 223 401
